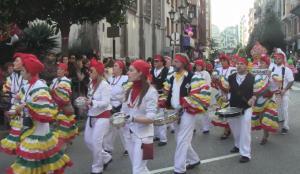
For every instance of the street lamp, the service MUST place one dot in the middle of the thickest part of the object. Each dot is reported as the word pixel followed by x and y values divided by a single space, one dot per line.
pixel 181 9
pixel 172 14
pixel 191 14
pixel 172 17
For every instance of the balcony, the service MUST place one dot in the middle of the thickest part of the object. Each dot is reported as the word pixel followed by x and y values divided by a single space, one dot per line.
pixel 296 8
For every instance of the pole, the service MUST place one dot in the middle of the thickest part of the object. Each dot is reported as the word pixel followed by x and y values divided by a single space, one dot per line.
pixel 114 48
pixel 174 45
pixel 181 34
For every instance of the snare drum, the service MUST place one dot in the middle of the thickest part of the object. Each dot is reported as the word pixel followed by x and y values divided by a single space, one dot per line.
pixel 169 116
pixel 118 120
pixel 229 112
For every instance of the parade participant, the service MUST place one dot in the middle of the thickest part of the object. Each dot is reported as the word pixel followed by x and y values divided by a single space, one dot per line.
pixel 189 95
pixel 159 75
pixel 256 52
pixel 283 79
pixel 241 91
pixel 141 107
pixel 40 149
pixel 61 93
pixel 97 125
pixel 12 87
pixel 202 73
pixel 221 83
pixel 265 114
pixel 117 97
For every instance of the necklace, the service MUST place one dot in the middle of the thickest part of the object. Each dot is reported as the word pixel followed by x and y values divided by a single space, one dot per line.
pixel 113 83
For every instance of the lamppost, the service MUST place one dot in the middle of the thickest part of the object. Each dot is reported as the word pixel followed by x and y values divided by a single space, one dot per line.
pixel 172 17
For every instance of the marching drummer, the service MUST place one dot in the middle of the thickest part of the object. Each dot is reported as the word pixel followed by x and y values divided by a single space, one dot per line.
pixel 117 96
pixel 97 125
pixel 221 83
pixel 241 86
pixel 141 107
pixel 189 97
pixel 159 75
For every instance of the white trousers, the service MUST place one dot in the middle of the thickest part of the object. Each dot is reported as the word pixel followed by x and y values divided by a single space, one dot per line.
pixel 203 121
pixel 185 153
pixel 93 137
pixel 283 111
pixel 110 137
pixel 135 152
pixel 241 130
pixel 161 131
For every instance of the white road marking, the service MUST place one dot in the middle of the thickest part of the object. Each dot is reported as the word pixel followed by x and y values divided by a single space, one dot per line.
pixel 202 162
pixel 295 88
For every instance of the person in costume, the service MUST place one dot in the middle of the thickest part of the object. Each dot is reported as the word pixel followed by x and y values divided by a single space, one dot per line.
pixel 256 52
pixel 265 114
pixel 141 107
pixel 159 75
pixel 61 93
pixel 190 95
pixel 117 97
pixel 202 73
pixel 241 85
pixel 40 148
pixel 220 81
pixel 283 79
pixel 97 125
pixel 12 87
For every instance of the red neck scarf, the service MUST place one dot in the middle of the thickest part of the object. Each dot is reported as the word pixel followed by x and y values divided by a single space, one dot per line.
pixel 136 90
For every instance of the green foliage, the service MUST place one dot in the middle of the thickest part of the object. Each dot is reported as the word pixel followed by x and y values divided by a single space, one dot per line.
pixel 214 52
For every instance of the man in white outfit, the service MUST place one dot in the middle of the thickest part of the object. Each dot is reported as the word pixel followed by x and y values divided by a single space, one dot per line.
pixel 282 81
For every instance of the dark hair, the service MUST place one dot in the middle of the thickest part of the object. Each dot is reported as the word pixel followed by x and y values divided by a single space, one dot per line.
pixel 145 87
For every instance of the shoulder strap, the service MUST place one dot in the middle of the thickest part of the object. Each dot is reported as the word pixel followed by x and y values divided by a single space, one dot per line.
pixel 273 69
pixel 282 73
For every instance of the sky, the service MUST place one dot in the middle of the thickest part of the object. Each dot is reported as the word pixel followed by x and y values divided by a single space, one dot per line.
pixel 225 13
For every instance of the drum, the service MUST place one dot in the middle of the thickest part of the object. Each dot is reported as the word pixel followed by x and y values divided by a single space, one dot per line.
pixel 169 116
pixel 259 71
pixel 118 120
pixel 80 102
pixel 229 112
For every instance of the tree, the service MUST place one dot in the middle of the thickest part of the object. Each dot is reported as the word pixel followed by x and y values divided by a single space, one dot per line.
pixel 213 49
pixel 64 12
pixel 268 31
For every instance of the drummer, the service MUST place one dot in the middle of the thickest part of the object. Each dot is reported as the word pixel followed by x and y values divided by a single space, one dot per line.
pixel 241 85
pixel 188 95
pixel 97 124
pixel 221 83
pixel 202 73
pixel 117 96
pixel 141 107
pixel 159 75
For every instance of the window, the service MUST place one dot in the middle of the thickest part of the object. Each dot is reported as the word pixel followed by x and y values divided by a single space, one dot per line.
pixel 283 7
pixel 158 13
pixel 148 9
pixel 295 26
pixel 176 28
pixel 168 26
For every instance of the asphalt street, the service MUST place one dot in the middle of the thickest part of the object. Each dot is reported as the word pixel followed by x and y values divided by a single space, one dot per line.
pixel 281 155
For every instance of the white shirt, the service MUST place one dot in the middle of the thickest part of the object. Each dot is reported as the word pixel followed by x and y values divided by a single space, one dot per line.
pixel 117 90
pixel 17 82
pixel 100 98
pixel 175 99
pixel 288 75
pixel 157 71
pixel 148 108
pixel 205 75
pixel 240 78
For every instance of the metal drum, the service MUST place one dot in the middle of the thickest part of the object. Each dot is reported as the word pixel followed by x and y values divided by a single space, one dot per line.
pixel 118 119
pixel 169 116
pixel 259 71
pixel 80 102
pixel 229 112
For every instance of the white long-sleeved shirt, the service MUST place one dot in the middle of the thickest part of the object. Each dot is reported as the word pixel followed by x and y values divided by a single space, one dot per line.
pixel 100 98
pixel 117 90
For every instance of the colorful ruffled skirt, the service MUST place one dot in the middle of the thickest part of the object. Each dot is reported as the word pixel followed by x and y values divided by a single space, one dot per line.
pixel 12 141
pixel 67 129
pixel 40 155
pixel 265 116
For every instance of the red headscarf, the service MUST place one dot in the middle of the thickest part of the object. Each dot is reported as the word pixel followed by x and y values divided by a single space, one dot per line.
pixel 279 55
pixel 22 56
pixel 265 58
pixel 242 60
pixel 63 66
pixel 182 58
pixel 200 63
pixel 97 65
pixel 142 66
pixel 224 57
pixel 121 64
pixel 158 58
pixel 33 65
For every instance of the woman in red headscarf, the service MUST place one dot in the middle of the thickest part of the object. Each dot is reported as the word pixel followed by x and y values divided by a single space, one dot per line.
pixel 40 149
pixel 61 92
pixel 97 125
pixel 117 96
pixel 141 107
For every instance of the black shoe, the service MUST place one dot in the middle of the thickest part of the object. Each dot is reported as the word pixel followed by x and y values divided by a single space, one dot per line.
pixel 125 153
pixel 205 132
pixel 162 143
pixel 191 166
pixel 107 151
pixel 179 173
pixel 244 159
pixel 194 131
pixel 284 131
pixel 156 139
pixel 172 131
pixel 106 164
pixel 235 150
